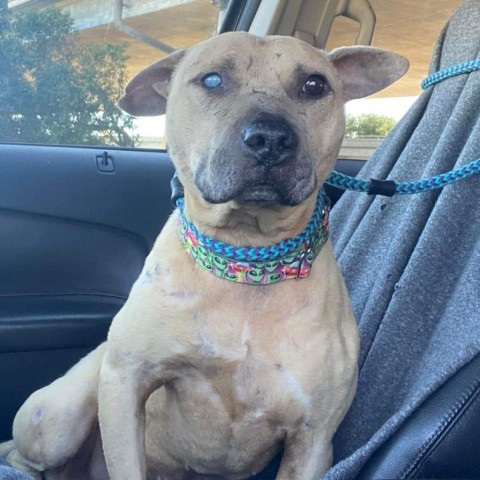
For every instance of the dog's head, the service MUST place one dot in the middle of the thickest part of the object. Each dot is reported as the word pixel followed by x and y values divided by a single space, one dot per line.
pixel 257 120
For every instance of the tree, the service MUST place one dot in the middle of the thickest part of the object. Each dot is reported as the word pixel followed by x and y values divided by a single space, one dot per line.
pixel 53 89
pixel 368 125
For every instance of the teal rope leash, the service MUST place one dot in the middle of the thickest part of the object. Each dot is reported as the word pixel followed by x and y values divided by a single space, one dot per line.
pixel 449 72
pixel 391 187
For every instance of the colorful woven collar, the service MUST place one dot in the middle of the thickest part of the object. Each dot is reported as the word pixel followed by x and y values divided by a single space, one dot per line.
pixel 290 259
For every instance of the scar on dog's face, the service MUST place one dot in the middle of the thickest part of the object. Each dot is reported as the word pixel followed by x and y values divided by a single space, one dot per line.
pixel 258 120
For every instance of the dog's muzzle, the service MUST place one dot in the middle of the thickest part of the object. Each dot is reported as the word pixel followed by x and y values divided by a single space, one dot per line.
pixel 261 163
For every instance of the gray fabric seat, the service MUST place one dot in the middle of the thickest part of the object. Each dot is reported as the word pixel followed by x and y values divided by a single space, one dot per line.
pixel 8 473
pixel 412 264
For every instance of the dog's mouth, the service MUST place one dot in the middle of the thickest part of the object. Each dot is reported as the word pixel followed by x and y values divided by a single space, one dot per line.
pixel 259 194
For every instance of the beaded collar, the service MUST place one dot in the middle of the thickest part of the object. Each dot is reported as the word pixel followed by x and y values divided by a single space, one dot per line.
pixel 290 259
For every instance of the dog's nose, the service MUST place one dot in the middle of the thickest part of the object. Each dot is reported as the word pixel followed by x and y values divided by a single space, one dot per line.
pixel 270 141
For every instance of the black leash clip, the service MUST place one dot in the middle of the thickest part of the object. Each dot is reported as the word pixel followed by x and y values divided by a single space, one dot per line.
pixel 387 188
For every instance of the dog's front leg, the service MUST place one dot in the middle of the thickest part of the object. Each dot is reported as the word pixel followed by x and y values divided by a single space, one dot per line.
pixel 308 454
pixel 123 391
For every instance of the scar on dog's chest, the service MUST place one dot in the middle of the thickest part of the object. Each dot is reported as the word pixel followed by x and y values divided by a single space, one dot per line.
pixel 253 389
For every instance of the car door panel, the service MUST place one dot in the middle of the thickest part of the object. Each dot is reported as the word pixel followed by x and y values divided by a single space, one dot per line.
pixel 72 241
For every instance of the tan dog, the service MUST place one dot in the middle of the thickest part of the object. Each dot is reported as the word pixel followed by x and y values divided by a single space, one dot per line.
pixel 201 377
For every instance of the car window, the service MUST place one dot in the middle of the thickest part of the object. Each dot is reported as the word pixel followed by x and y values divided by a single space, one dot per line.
pixel 64 66
pixel 407 27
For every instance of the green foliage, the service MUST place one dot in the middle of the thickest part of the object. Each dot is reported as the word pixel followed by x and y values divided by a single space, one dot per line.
pixel 54 89
pixel 368 126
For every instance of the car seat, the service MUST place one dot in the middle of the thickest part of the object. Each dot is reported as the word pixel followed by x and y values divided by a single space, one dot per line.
pixel 412 268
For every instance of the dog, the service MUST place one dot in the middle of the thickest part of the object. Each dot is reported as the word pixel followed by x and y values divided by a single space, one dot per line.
pixel 215 364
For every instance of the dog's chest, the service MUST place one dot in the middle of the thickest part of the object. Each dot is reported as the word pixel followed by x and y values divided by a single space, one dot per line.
pixel 248 365
pixel 243 406
pixel 228 417
pixel 252 371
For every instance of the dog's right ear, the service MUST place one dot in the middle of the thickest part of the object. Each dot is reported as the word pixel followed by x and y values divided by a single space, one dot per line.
pixel 146 94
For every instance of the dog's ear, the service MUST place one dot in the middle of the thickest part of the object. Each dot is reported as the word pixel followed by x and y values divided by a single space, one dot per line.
pixel 146 94
pixel 366 70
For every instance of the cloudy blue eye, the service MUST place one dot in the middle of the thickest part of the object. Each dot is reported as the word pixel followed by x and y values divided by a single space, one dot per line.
pixel 212 80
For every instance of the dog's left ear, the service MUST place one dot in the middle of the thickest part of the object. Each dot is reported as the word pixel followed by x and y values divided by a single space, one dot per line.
pixel 366 70
pixel 146 94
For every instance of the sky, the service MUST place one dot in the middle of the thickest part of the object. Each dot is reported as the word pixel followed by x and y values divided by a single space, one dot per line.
pixel 394 107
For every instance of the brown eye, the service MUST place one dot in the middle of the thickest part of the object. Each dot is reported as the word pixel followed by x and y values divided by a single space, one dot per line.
pixel 315 86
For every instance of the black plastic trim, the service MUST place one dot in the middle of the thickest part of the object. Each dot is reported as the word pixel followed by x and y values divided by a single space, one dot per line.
pixel 248 15
pixel 239 15
pixel 440 439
